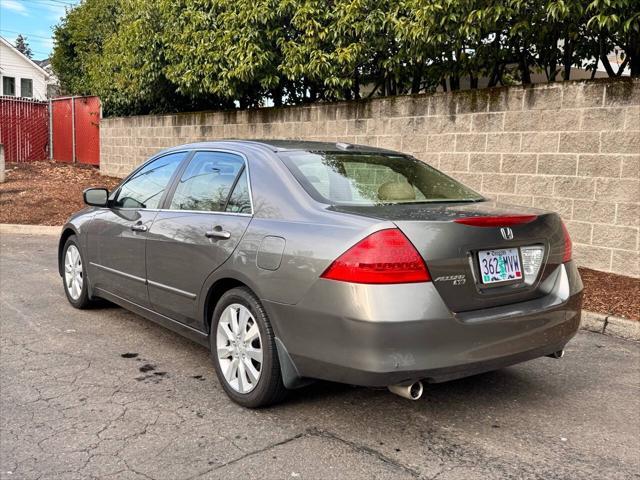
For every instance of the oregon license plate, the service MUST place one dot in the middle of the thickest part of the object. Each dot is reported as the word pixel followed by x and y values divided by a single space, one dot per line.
pixel 500 265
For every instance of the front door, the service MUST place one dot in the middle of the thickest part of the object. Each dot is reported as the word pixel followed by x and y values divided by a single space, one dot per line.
pixel 206 216
pixel 117 235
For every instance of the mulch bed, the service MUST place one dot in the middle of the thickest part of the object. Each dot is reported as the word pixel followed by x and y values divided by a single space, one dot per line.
pixel 611 294
pixel 46 193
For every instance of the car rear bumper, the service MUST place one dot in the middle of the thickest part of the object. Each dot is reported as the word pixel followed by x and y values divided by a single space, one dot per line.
pixel 378 335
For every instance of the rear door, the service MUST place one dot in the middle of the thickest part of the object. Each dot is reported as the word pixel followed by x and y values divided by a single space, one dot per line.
pixel 205 216
pixel 117 235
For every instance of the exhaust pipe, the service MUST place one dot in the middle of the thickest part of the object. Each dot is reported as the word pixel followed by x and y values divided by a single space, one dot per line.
pixel 410 391
pixel 558 354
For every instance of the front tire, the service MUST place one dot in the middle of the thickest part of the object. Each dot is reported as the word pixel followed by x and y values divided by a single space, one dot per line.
pixel 244 351
pixel 74 274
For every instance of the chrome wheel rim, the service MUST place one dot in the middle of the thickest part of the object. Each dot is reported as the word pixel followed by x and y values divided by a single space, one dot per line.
pixel 73 277
pixel 239 348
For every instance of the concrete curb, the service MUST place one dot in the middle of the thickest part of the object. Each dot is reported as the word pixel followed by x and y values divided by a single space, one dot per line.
pixel 610 325
pixel 591 321
pixel 9 228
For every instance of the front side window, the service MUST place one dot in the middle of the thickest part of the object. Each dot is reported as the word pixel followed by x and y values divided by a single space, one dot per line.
pixel 146 187
pixel 207 181
pixel 26 87
pixel 9 86
pixel 367 179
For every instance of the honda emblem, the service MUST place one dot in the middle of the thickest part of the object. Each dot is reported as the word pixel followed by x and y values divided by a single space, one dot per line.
pixel 507 233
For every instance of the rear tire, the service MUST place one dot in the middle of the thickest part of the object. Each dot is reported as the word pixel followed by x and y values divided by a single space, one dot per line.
pixel 74 274
pixel 243 350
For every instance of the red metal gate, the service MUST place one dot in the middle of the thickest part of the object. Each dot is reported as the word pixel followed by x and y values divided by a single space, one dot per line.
pixel 76 122
pixel 24 129
pixel 62 128
pixel 87 123
pixel 71 124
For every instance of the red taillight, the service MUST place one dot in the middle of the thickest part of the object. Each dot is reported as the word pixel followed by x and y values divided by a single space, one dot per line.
pixel 386 256
pixel 497 221
pixel 568 244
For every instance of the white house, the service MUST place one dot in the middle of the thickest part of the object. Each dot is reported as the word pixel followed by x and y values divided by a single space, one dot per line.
pixel 21 76
pixel 53 85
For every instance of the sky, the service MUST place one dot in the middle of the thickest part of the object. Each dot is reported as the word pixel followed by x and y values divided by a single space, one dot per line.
pixel 35 20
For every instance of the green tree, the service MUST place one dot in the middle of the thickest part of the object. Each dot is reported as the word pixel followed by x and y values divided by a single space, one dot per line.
pixel 78 43
pixel 130 72
pixel 226 49
pixel 171 55
pixel 22 45
pixel 616 23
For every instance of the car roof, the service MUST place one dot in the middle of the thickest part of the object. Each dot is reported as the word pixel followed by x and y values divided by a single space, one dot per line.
pixel 284 146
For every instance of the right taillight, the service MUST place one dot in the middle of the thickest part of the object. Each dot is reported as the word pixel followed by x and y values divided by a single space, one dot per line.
pixel 384 257
pixel 568 245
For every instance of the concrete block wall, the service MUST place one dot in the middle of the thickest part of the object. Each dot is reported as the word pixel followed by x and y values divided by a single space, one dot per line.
pixel 572 147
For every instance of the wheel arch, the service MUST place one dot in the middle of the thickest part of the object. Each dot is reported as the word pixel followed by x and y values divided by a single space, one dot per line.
pixel 67 232
pixel 215 292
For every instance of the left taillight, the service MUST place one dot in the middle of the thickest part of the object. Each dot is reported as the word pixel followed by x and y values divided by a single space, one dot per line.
pixel 568 244
pixel 384 257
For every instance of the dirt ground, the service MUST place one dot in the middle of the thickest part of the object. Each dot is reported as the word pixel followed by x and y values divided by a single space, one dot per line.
pixel 46 193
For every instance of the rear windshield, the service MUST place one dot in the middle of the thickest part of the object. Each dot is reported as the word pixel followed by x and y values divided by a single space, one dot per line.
pixel 354 178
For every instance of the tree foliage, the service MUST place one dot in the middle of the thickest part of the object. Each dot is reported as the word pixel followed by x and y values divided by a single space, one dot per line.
pixel 170 55
pixel 79 41
pixel 22 45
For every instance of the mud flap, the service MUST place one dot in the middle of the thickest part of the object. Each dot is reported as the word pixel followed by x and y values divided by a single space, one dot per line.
pixel 290 376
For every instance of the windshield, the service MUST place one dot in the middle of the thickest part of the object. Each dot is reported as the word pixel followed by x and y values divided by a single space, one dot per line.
pixel 354 178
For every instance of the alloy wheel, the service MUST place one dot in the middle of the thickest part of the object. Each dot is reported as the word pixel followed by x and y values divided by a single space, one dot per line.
pixel 73 272
pixel 239 348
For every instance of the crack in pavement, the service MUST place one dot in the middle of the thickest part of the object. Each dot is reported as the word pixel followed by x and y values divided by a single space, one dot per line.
pixel 364 449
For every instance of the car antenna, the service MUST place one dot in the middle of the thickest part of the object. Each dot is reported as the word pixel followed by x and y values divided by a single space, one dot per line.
pixel 344 146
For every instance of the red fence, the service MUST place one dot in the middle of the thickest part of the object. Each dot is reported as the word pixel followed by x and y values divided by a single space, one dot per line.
pixel 24 129
pixel 74 131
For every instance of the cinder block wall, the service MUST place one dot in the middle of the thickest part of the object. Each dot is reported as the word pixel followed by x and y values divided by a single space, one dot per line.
pixel 572 147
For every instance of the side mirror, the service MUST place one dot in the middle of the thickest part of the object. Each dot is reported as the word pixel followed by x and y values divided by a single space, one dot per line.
pixel 96 197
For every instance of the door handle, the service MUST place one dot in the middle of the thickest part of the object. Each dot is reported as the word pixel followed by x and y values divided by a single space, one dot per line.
pixel 138 227
pixel 219 233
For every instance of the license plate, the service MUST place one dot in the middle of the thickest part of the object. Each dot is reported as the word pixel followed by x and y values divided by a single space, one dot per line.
pixel 500 265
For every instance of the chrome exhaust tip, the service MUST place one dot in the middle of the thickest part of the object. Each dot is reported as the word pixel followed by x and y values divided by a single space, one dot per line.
pixel 410 391
pixel 558 354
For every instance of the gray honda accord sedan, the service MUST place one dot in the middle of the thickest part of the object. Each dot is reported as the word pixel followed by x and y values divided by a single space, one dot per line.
pixel 295 261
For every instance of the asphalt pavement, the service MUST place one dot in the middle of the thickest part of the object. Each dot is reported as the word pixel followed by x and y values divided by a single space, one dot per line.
pixel 104 393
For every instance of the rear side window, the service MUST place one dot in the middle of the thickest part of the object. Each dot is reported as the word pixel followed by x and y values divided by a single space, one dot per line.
pixel 239 200
pixel 207 182
pixel 354 178
pixel 146 187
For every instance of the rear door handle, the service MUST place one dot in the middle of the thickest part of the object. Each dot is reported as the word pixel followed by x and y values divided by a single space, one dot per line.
pixel 219 233
pixel 139 228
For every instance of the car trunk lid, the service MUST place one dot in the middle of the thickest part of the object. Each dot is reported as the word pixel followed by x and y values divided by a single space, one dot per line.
pixel 451 249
